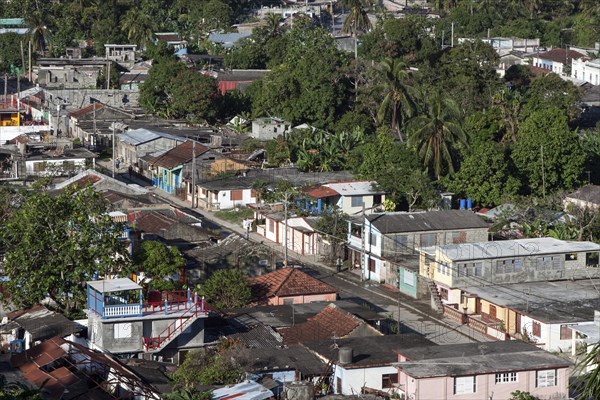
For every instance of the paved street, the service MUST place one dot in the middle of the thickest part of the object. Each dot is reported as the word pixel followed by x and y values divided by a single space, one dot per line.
pixel 415 316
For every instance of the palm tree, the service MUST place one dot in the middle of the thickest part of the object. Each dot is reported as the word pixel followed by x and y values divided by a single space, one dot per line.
pixel 357 20
pixel 436 131
pixel 273 24
pixel 398 96
pixel 38 29
pixel 138 26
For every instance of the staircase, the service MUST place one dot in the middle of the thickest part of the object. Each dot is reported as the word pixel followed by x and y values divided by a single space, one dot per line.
pixel 156 344
pixel 435 296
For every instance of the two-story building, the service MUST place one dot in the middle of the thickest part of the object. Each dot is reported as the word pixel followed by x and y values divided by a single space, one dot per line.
pixel 349 197
pixel 387 242
pixel 476 371
pixel 557 60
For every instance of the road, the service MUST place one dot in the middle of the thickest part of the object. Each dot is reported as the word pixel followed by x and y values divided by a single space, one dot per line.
pixel 415 316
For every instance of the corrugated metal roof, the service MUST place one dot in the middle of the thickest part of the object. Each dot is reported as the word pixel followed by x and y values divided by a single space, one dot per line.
pixel 114 285
pixel 139 136
pixel 426 221
pixel 355 188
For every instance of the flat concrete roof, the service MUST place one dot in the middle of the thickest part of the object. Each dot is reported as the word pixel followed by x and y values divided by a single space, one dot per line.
pixel 514 248
pixel 114 285
pixel 563 301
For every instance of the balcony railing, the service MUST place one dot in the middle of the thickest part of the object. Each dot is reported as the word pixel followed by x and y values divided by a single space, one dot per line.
pixel 123 310
pixel 455 314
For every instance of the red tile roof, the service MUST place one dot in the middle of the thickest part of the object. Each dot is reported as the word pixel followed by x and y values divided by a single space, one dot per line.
pixel 560 55
pixel 329 323
pixel 86 110
pixel 179 155
pixel 321 192
pixel 288 282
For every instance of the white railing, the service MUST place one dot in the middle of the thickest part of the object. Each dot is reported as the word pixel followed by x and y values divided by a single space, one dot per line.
pixel 122 310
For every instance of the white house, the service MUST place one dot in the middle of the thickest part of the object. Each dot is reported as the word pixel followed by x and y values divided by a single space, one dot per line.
pixel 587 70
pixel 556 60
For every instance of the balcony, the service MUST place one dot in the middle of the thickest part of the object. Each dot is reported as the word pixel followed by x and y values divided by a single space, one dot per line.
pixel 454 313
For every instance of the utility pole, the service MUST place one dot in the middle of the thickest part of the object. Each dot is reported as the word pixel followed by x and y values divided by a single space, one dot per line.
pixel 30 76
pixel 108 76
pixel 114 159
pixel 363 245
pixel 94 117
pixel 285 233
pixel 543 173
pixel 193 174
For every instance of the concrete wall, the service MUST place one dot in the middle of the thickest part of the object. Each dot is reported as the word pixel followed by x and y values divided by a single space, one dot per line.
pixel 586 70
pixel 278 301
pixel 353 380
pixel 102 335
pixel 130 154
pixel 226 203
pixel 55 166
pixel 486 387
pixel 413 240
pixel 79 98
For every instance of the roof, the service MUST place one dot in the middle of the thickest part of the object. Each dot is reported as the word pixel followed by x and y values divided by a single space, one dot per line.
pixel 331 322
pixel 179 155
pixel 114 285
pixel 477 358
pixel 139 136
pixel 355 188
pixel 369 351
pixel 551 302
pixel 86 110
pixel 426 221
pixel 248 390
pixel 560 55
pixel 512 248
pixel 226 40
pixel 321 192
pixel 168 36
pixel 289 282
pixel 589 193
pixel 42 323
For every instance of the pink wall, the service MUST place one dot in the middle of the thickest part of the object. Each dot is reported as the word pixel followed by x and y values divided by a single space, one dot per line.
pixel 442 388
pixel 277 301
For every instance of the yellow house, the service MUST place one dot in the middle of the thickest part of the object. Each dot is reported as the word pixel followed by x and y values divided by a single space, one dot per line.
pixel 10 118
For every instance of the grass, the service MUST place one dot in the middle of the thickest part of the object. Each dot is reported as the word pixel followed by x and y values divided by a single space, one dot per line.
pixel 235 216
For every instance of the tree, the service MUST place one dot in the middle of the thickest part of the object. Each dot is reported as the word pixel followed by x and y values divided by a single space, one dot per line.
pixel 435 132
pixel 38 29
pixel 138 25
pixel 9 51
pixel 550 91
pixel 260 188
pixel 334 227
pixel 357 19
pixel 398 97
pixel 17 391
pixel 55 243
pixel 158 262
pixel 227 288
pixel 216 15
pixel 547 153
pixel 519 395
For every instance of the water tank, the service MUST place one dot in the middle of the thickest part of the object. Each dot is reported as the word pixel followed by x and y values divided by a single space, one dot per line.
pixel 463 204
pixel 345 355
pixel 469 204
pixel 299 390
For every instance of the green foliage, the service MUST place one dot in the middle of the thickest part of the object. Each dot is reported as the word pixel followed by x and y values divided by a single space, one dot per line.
pixel 519 395
pixel 17 391
pixel 235 216
pixel 9 51
pixel 209 367
pixel 216 15
pixel 545 137
pixel 189 394
pixel 334 226
pixel 227 288
pixel 55 243
pixel 550 91
pixel 158 262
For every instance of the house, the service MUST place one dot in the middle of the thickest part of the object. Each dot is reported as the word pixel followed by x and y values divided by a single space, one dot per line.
pixel 290 286
pixel 58 162
pixel 102 183
pixel 541 313
pixel 302 236
pixel 269 128
pixel 172 40
pixel 349 197
pixel 586 69
pixel 85 123
pixel 365 364
pixel 121 320
pixel 134 144
pixel 135 76
pixel 556 60
pixel 389 241
pixel 480 371
pixel 29 327
pixel 121 53
pixel 69 73
pixel 330 322
pixel 169 224
pixel 503 45
pixel 587 196
pixel 168 170
pixel 65 369
pixel 238 79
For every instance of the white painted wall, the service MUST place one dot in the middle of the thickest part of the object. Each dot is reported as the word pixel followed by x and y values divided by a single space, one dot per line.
pixel 354 379
pixel 225 202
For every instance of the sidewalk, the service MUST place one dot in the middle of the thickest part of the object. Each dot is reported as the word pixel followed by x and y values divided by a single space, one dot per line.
pixel 417 307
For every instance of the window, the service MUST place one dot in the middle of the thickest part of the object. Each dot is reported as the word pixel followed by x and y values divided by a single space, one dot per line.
pixel 443 269
pixel 338 384
pixel 464 384
pixel 356 201
pixel 38 167
pixel 536 329
pixel 388 380
pixel 409 278
pixel 459 237
pixel 444 294
pixel 371 265
pixel 428 239
pixel 506 377
pixel 547 262
pixel 545 378
pixel 571 257
pixel 237 194
pixel 373 239
pixel 122 331
pixel 470 269
pixel 509 266
pixel 565 332
pixel 401 242
pixel 271 226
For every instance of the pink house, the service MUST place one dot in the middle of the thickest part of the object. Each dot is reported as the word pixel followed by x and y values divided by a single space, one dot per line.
pixel 476 371
pixel 290 286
